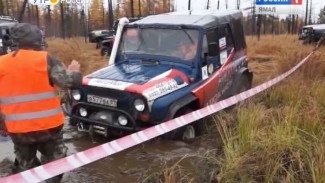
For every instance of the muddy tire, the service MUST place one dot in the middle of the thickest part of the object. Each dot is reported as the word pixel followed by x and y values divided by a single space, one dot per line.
pixel 187 132
pixel 98 45
pixel 241 85
pixel 244 84
pixel 73 122
pixel 105 52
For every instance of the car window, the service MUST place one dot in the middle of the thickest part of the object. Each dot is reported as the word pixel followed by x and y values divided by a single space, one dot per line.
pixel 226 43
pixel 212 61
pixel 205 48
pixel 165 42
pixel 229 39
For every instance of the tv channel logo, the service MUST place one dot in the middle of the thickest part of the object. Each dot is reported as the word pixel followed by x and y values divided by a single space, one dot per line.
pixel 44 2
pixel 278 2
pixel 54 2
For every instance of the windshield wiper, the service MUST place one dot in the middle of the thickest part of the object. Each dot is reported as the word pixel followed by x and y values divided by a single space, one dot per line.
pixel 124 52
pixel 189 36
pixel 150 61
pixel 141 39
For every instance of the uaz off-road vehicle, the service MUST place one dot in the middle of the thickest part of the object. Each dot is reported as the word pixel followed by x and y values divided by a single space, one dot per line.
pixel 165 66
pixel 311 33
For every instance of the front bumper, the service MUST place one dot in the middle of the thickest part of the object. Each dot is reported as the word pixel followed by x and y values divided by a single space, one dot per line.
pixel 104 116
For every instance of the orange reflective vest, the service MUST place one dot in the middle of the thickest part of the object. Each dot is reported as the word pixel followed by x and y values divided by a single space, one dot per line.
pixel 27 99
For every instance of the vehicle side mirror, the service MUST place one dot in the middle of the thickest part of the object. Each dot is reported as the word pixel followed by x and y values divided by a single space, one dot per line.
pixel 213 49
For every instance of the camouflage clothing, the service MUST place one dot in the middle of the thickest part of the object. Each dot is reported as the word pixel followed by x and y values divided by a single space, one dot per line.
pixel 48 143
pixel 61 77
pixel 3 131
pixel 2 121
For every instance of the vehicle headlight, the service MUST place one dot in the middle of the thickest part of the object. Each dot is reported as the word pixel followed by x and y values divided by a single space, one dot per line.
pixel 139 105
pixel 122 120
pixel 76 95
pixel 83 112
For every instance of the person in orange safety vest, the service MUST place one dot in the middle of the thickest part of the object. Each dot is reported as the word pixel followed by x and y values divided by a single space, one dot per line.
pixel 30 109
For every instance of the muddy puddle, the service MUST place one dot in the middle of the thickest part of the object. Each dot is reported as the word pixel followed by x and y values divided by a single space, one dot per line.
pixel 131 165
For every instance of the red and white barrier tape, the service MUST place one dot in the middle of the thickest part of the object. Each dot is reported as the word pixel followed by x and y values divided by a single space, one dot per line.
pixel 74 161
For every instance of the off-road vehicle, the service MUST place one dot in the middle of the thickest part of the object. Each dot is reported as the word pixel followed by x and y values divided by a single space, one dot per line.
pixel 165 66
pixel 106 46
pixel 311 33
pixel 96 36
pixel 6 23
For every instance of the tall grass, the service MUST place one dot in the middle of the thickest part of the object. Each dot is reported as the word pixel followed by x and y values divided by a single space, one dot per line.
pixel 278 135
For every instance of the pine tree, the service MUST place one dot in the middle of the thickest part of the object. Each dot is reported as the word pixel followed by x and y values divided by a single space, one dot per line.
pixel 96 15
pixel 321 16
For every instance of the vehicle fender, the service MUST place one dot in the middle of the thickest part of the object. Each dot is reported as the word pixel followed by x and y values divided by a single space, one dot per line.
pixel 179 104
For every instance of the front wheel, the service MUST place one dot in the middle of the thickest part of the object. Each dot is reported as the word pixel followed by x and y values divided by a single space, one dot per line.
pixel 188 133
pixel 185 133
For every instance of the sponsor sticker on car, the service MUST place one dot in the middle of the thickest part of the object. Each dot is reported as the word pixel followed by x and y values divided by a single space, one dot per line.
pixel 162 89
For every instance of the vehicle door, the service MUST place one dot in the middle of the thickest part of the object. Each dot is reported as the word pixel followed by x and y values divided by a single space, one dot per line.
pixel 227 51
pixel 216 48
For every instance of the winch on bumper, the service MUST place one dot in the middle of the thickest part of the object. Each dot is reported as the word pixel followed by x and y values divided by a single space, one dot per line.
pixel 115 113
pixel 104 116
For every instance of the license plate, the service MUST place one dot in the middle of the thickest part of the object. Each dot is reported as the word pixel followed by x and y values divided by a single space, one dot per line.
pixel 102 100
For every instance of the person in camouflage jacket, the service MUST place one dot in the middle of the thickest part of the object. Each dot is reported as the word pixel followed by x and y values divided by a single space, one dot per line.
pixel 48 142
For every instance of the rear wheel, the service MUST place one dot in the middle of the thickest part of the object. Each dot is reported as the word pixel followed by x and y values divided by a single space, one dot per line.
pixel 98 45
pixel 244 84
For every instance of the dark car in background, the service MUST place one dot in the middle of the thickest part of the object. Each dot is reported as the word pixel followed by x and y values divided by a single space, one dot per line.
pixel 106 44
pixel 311 33
pixel 96 36
pixel 6 23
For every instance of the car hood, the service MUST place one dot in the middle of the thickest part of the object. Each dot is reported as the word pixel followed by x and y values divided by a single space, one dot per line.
pixel 151 81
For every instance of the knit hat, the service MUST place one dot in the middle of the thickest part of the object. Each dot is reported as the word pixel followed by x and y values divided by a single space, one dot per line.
pixel 25 35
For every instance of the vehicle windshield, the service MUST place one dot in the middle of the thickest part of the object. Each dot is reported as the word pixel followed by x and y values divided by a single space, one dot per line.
pixel 164 42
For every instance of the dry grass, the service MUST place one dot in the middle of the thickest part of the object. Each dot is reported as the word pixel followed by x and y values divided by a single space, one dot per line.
pixel 76 48
pixel 277 136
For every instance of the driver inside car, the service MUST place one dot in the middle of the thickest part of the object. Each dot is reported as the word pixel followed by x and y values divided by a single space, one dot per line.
pixel 189 50
pixel 186 50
